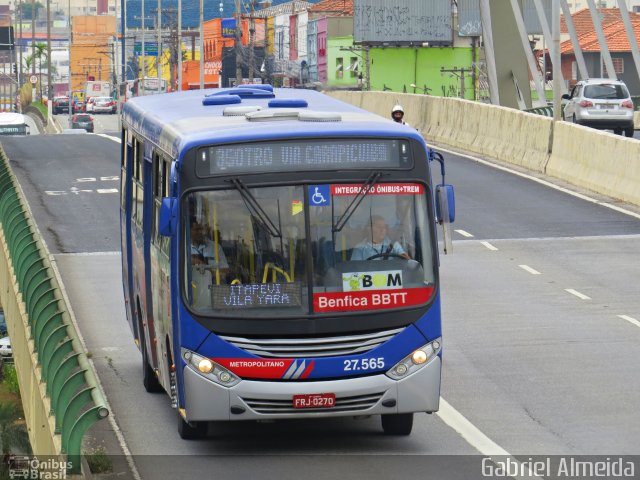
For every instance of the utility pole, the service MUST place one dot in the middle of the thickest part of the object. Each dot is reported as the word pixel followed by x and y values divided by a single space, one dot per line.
pixel 33 39
pixel 21 44
pixel 252 30
pixel 49 83
pixel 144 66
pixel 179 45
pixel 159 40
pixel 238 45
pixel 201 45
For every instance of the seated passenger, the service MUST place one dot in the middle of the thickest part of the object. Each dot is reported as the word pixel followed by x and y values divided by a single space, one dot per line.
pixel 378 244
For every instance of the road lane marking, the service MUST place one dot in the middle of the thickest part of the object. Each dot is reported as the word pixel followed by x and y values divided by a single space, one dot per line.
pixel 87 254
pixel 464 233
pixel 111 178
pixel 581 296
pixel 87 179
pixel 115 139
pixel 540 181
pixel 107 190
pixel 489 246
pixel 474 437
pixel 631 320
pixel 532 271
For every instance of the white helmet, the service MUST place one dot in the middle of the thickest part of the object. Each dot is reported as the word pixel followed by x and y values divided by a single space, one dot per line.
pixel 397 108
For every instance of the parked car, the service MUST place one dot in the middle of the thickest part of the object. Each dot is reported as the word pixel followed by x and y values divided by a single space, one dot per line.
pixel 82 121
pixel 104 105
pixel 600 103
pixel 5 347
pixel 3 324
pixel 60 105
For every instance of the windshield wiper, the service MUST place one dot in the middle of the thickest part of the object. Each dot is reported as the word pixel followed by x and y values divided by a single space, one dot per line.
pixel 254 207
pixel 355 203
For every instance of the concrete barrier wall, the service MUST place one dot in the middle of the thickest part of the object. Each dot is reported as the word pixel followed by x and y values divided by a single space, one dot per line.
pixel 606 163
pixel 636 120
pixel 599 161
pixel 509 135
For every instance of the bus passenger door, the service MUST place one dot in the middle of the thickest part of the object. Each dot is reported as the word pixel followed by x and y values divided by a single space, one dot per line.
pixel 126 172
pixel 146 229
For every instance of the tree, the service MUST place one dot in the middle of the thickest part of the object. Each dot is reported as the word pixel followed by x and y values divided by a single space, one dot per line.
pixel 12 433
pixel 27 11
pixel 40 53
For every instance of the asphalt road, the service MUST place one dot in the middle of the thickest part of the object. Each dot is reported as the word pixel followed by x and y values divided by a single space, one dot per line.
pixel 541 350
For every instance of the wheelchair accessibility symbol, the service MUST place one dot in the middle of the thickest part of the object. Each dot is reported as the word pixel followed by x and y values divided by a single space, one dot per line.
pixel 319 195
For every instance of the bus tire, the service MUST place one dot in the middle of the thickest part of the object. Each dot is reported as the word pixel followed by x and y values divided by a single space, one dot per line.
pixel 397 424
pixel 149 377
pixel 191 430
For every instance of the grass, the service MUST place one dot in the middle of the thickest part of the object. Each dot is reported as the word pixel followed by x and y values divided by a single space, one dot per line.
pixel 42 107
pixel 98 460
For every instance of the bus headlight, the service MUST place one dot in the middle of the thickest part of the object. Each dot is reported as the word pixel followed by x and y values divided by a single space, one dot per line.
pixel 414 361
pixel 209 369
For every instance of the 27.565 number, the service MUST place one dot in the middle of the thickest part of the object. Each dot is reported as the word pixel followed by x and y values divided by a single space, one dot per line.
pixel 363 364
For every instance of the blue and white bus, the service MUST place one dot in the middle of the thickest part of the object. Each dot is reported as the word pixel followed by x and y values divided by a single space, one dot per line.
pixel 280 257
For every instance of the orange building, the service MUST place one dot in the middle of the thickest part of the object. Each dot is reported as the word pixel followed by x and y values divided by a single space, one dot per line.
pixel 214 43
pixel 92 49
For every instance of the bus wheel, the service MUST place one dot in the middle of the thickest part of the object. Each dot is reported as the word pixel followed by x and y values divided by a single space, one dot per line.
pixel 191 430
pixel 149 377
pixel 397 424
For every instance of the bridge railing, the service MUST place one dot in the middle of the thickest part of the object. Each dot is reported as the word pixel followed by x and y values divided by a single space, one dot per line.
pixel 60 393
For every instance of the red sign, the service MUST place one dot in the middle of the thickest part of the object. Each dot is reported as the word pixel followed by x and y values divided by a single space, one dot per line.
pixel 379 189
pixel 370 299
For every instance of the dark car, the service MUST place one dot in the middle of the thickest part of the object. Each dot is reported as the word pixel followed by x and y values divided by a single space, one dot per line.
pixel 78 106
pixel 60 105
pixel 82 121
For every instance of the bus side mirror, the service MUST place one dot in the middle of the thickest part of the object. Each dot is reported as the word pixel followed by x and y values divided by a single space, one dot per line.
pixel 168 216
pixel 445 204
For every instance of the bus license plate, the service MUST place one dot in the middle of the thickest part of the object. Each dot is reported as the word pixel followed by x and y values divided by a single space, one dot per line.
pixel 314 400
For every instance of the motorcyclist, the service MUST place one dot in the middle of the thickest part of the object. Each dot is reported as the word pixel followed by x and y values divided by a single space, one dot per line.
pixel 397 114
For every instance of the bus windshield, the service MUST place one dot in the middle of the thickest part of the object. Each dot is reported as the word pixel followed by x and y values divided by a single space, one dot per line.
pixel 275 251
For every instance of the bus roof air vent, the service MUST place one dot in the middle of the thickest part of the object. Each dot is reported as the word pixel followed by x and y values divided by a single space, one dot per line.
pixel 221 100
pixel 288 103
pixel 310 116
pixel 239 111
pixel 258 86
pixel 272 115
pixel 244 93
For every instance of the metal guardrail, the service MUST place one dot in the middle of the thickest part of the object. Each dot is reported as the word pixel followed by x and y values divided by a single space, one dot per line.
pixel 546 111
pixel 76 400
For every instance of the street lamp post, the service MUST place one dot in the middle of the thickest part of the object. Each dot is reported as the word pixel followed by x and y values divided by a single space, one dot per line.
pixel 179 45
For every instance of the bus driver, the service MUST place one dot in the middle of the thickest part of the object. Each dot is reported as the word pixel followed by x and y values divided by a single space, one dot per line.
pixel 379 244
pixel 203 249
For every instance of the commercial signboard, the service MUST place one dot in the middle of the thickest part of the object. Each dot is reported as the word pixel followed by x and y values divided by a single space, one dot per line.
pixel 408 22
pixel 228 27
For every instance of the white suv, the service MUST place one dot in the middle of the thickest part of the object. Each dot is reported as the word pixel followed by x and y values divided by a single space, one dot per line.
pixel 600 103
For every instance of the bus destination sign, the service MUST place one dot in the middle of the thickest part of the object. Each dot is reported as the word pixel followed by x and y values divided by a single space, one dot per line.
pixel 308 154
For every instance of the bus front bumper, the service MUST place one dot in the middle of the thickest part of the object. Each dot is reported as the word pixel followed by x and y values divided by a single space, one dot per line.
pixel 260 400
